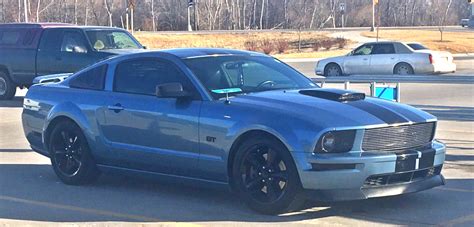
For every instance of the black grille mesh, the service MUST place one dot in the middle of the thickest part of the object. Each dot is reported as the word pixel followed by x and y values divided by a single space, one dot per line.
pixel 398 137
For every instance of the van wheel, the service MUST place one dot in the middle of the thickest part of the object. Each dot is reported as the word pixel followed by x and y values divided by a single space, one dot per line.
pixel 266 177
pixel 7 87
pixel 70 155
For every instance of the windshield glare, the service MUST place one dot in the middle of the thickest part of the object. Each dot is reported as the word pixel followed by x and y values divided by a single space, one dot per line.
pixel 104 40
pixel 249 73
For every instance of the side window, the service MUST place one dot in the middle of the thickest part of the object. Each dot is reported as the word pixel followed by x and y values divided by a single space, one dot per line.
pixel 92 79
pixel 364 50
pixel 51 40
pixel 239 72
pixel 9 37
pixel 29 37
pixel 73 41
pixel 141 76
pixel 384 49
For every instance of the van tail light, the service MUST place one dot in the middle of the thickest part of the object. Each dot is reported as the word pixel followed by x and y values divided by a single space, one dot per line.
pixel 431 58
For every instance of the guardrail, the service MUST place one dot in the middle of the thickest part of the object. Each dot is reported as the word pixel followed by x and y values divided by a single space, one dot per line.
pixel 382 86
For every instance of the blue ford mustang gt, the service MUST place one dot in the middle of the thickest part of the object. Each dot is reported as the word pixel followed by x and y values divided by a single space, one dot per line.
pixel 234 118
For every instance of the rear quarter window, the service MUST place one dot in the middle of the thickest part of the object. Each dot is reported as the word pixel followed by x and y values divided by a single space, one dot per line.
pixel 92 79
pixel 9 37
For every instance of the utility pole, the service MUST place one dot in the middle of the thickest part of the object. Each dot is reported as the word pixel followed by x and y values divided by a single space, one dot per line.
pixel 374 2
pixel 25 3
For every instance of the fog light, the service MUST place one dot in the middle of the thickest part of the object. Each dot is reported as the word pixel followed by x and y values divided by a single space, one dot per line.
pixel 328 142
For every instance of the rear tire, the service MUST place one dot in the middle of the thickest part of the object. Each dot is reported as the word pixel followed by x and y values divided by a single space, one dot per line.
pixel 403 69
pixel 332 70
pixel 7 87
pixel 70 155
pixel 266 177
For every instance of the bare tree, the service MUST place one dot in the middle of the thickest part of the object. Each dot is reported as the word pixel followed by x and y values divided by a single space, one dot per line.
pixel 234 14
pixel 261 14
pixel 109 7
pixel 443 20
pixel 153 15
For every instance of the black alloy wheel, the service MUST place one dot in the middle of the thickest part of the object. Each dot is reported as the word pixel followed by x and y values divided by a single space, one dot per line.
pixel 266 176
pixel 70 155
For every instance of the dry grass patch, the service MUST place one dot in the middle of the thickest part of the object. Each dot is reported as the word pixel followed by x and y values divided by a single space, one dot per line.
pixel 220 40
pixel 243 40
pixel 454 42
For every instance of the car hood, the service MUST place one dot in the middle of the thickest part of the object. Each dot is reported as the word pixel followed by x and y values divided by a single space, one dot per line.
pixel 52 78
pixel 323 110
pixel 333 59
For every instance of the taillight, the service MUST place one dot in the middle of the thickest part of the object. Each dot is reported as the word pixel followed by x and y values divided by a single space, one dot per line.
pixel 431 58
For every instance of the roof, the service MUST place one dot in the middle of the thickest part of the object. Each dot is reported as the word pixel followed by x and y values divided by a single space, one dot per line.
pixel 202 52
pixel 35 25
pixel 382 42
pixel 52 25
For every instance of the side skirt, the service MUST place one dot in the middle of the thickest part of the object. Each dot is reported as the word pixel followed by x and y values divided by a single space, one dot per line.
pixel 168 178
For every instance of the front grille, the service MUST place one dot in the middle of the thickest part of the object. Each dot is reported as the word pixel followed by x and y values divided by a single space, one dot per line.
pixel 405 177
pixel 398 137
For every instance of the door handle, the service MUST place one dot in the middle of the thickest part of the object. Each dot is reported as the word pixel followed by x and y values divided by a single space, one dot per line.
pixel 116 108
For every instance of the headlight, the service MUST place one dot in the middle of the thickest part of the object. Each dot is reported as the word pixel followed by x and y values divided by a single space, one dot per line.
pixel 328 142
pixel 335 142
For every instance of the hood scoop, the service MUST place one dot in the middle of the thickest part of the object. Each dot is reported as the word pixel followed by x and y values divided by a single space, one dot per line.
pixel 334 94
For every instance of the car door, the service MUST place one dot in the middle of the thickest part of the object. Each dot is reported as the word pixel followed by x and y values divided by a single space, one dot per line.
pixel 358 62
pixel 144 131
pixel 63 51
pixel 383 58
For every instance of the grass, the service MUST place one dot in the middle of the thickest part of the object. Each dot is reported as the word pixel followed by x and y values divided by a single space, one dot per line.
pixel 237 41
pixel 454 42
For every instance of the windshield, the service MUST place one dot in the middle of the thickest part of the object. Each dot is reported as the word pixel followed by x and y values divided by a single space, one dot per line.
pixel 417 46
pixel 112 39
pixel 249 73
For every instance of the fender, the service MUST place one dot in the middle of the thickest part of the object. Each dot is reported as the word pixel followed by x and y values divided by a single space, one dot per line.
pixel 235 132
pixel 9 72
pixel 71 111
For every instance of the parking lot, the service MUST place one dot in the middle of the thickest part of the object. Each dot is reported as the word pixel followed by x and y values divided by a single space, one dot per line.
pixel 30 193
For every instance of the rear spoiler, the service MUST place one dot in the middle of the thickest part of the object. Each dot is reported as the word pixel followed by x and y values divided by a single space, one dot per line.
pixel 53 78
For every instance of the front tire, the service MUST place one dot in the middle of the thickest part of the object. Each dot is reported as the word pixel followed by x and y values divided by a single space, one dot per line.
pixel 70 155
pixel 7 87
pixel 332 70
pixel 403 69
pixel 266 177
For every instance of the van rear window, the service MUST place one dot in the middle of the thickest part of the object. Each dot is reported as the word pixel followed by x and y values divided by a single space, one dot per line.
pixel 9 37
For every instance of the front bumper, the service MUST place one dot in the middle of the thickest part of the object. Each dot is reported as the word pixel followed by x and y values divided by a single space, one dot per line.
pixel 362 175
pixel 373 192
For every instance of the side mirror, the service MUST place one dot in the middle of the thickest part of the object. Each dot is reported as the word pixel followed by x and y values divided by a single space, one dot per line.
pixel 144 47
pixel 171 90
